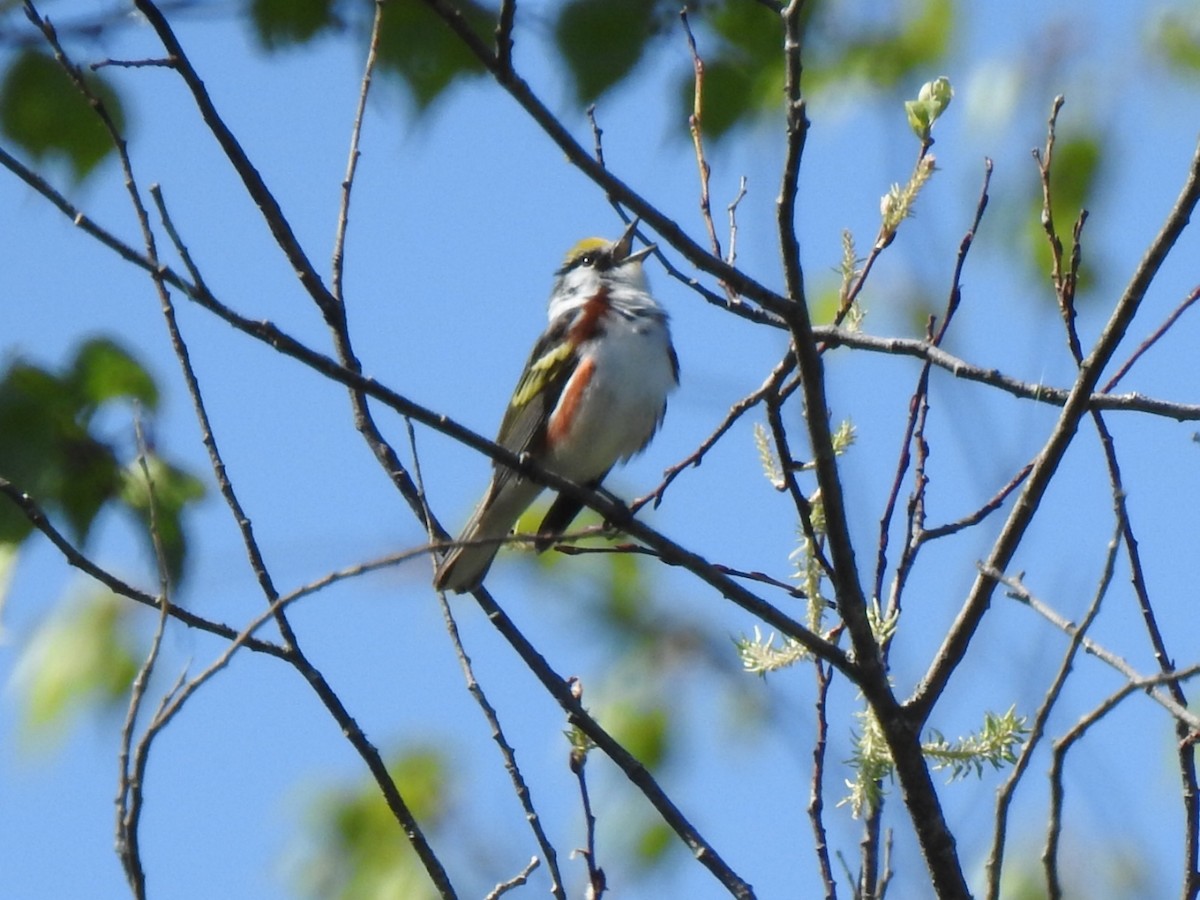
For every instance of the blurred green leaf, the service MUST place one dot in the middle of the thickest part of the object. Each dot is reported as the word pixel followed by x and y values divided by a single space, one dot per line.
pixel 42 111
pixel 424 52
pixel 654 842
pixel 279 23
pixel 1176 37
pixel 883 55
pixel 1074 173
pixel 104 371
pixel 8 563
pixel 48 450
pixel 824 302
pixel 601 41
pixel 360 853
pixel 173 490
pixel 645 731
pixel 743 73
pixel 625 592
pixel 83 656
pixel 735 91
pixel 90 478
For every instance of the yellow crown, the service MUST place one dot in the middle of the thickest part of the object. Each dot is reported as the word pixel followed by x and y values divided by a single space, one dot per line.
pixel 587 245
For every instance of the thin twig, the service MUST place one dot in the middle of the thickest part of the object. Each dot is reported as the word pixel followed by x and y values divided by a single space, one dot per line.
pixel 596 880
pixel 132 64
pixel 736 411
pixel 731 256
pixel 129 781
pixel 475 689
pixel 339 242
pixel 504 34
pixel 960 368
pixel 1152 339
pixel 955 645
pixel 870 850
pixel 597 135
pixel 816 791
pixel 272 213
pixel 1018 591
pixel 696 127
pixel 977 516
pixel 76 558
pixel 917 404
pixel 995 862
pixel 516 881
pixel 1058 764
pixel 1187 758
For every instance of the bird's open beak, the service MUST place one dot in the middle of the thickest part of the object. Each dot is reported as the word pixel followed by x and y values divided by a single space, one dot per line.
pixel 625 244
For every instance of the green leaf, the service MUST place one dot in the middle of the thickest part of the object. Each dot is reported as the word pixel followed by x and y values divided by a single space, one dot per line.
pixel 42 111
pixel 46 451
pixel 418 46
pixel 279 23
pixel 735 91
pixel 359 851
pixel 601 41
pixel 90 479
pixel 1074 173
pixel 654 842
pixel 643 731
pixel 931 102
pixel 174 489
pixel 743 74
pixel 1176 37
pixel 8 564
pixel 102 371
pixel 883 56
pixel 83 656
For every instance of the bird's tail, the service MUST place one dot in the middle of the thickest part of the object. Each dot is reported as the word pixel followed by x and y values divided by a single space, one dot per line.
pixel 464 567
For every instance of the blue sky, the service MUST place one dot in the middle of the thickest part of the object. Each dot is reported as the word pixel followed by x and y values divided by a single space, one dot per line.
pixel 458 221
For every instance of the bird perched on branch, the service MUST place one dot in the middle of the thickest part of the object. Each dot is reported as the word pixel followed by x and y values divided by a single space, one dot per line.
pixel 592 394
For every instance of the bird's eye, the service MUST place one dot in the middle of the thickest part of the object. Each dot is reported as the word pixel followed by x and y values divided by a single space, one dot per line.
pixel 589 258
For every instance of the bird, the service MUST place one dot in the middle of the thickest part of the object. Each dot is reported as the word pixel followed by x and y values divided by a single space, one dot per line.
pixel 593 393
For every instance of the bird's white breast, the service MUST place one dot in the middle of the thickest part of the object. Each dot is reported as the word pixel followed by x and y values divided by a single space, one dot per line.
pixel 624 401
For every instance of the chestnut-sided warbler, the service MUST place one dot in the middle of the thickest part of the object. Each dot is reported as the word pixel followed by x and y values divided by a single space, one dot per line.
pixel 592 394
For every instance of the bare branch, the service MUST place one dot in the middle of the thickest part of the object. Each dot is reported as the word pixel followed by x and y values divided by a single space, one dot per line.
pixel 518 880
pixel 995 862
pixel 520 787
pixel 504 34
pixel 613 186
pixel 339 242
pixel 1046 466
pixel 695 126
pixel 74 557
pixel 1058 762
pixel 1136 681
pixel 918 411
pixel 272 213
pixel 924 350
pixel 816 792
pixel 596 880
pixel 130 778
pixel 1152 339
